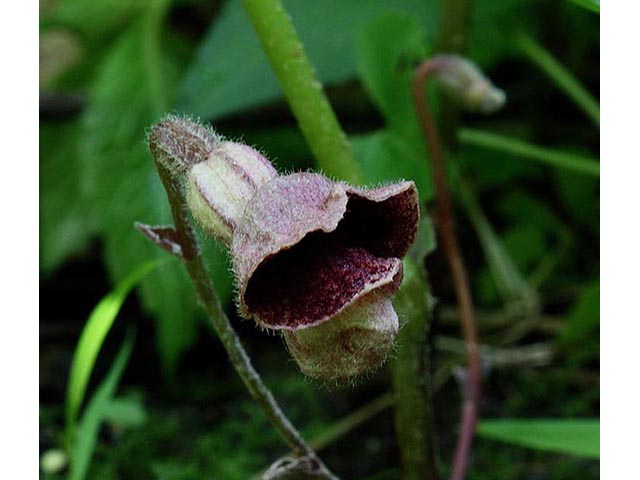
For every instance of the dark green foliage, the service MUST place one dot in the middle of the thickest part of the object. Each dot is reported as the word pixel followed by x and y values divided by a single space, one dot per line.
pixel 579 437
pixel 196 440
pixel 231 72
pixel 580 338
pixel 387 49
pixel 117 180
pixel 128 91
pixel 120 107
pixel 532 230
pixel 65 224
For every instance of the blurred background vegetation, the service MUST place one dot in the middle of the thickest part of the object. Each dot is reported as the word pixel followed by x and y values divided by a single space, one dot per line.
pixel 527 191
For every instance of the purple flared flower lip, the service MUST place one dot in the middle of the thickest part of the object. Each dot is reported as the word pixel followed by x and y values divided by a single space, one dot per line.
pixel 352 240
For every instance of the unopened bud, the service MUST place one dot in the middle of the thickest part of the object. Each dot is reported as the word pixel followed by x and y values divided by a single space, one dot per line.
pixel 219 188
pixel 466 83
pixel 178 143
pixel 219 177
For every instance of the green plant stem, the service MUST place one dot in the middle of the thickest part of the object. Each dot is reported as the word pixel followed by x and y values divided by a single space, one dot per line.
pixel 568 161
pixel 302 89
pixel 560 75
pixel 414 417
pixel 192 258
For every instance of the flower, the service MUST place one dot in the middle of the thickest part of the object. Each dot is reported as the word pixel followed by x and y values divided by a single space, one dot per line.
pixel 317 259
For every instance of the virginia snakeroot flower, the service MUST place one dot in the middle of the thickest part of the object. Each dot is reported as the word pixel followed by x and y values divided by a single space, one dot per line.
pixel 316 259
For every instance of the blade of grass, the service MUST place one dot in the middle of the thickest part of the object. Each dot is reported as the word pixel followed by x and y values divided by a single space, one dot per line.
pixel 560 76
pixel 510 282
pixel 579 437
pixel 88 428
pixel 565 160
pixel 91 339
pixel 350 422
pixel 591 5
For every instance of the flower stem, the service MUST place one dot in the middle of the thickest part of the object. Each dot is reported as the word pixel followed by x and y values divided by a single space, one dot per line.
pixel 302 89
pixel 414 419
pixel 192 258
pixel 445 225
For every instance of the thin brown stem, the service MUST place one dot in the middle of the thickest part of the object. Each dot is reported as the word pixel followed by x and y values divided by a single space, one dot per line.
pixel 444 220
pixel 193 261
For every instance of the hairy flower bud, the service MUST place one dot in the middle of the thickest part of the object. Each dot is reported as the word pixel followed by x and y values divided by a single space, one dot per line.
pixel 316 259
pixel 178 143
pixel 466 83
pixel 219 188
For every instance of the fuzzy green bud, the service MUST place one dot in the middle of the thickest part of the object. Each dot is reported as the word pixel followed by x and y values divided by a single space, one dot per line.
pixel 466 84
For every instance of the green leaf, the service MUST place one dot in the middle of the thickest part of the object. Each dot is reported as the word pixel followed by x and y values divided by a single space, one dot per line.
pixel 592 5
pixel 95 18
pixel 65 224
pixel 131 92
pixel 231 73
pixel 579 437
pixel 92 337
pixel 492 25
pixel 569 161
pixel 385 156
pixel 86 437
pixel 387 50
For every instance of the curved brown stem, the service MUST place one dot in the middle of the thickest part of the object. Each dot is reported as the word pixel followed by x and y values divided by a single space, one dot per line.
pixel 445 225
